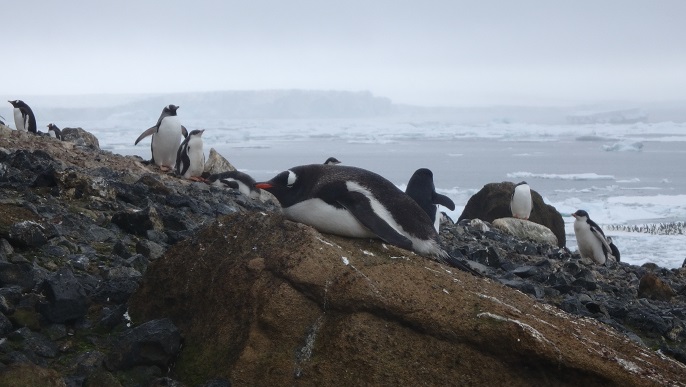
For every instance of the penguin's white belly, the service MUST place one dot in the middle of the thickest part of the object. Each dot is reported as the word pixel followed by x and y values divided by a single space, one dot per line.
pixel 19 120
pixel 437 220
pixel 589 245
pixel 327 218
pixel 196 158
pixel 165 143
pixel 521 203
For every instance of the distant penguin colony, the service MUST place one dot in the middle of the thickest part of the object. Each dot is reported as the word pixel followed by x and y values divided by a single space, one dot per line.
pixel 591 239
pixel 166 138
pixel 24 119
pixel 421 188
pixel 521 202
pixel 190 158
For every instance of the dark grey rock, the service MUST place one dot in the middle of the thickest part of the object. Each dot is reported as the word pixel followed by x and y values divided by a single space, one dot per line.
pixel 87 362
pixel 27 234
pixel 5 325
pixel 66 299
pixel 115 291
pixel 138 222
pixel 152 343
pixel 149 249
pixel 112 316
pixel 120 250
pixel 79 261
pixel 20 274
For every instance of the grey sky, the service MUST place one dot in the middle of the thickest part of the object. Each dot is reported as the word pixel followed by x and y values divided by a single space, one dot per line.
pixel 421 52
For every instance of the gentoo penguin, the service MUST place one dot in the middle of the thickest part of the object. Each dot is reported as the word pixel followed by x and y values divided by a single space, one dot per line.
pixel 190 158
pixel 521 203
pixel 421 188
pixel 240 181
pixel 54 131
pixel 24 119
pixel 590 238
pixel 332 161
pixel 354 202
pixel 166 137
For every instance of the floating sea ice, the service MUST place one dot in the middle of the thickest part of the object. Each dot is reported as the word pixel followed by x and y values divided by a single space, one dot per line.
pixel 624 147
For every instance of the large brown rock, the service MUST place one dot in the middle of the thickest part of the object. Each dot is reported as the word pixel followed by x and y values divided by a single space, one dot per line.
pixel 264 301
pixel 493 202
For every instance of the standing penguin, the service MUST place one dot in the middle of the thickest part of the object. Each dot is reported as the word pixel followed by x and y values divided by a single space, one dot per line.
pixel 190 158
pixel 590 238
pixel 354 202
pixel 24 119
pixel 521 203
pixel 166 137
pixel 54 131
pixel 421 188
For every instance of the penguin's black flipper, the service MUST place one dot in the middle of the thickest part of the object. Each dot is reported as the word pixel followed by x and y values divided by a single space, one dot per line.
pixel 148 132
pixel 459 264
pixel 444 201
pixel 359 206
pixel 184 131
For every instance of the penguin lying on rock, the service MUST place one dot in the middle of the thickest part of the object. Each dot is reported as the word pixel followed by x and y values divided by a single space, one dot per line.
pixel 354 202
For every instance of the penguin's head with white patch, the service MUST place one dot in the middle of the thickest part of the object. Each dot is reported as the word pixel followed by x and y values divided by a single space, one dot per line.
pixel 170 110
pixel 287 187
pixel 196 133
pixel 580 215
pixel 332 161
pixel 16 103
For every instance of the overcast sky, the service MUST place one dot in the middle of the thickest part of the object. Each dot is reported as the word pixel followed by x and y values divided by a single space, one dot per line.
pixel 424 52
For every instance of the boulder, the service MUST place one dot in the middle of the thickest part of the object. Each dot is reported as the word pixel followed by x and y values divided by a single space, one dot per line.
pixel 524 229
pixel 138 222
pixel 651 286
pixel 493 202
pixel 66 299
pixel 329 310
pixel 216 163
pixel 153 343
pixel 80 137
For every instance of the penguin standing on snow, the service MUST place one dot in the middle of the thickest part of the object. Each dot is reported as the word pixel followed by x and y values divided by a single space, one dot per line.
pixel 421 188
pixel 54 131
pixel 190 158
pixel 166 138
pixel 354 202
pixel 24 119
pixel 591 239
pixel 521 202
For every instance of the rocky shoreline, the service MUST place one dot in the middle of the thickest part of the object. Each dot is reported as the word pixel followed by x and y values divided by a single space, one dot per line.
pixel 81 228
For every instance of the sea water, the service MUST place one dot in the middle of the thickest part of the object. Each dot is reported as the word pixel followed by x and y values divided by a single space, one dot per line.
pixel 623 175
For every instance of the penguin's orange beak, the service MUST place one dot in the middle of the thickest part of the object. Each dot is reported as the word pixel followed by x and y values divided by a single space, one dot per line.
pixel 264 185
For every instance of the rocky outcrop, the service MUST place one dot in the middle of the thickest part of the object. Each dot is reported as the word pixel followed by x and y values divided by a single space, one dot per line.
pixel 264 301
pixel 80 229
pixel 493 202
